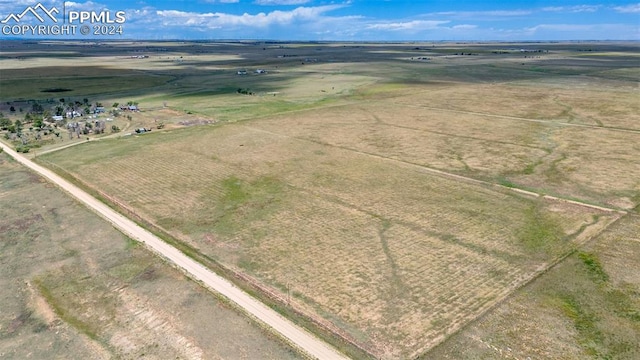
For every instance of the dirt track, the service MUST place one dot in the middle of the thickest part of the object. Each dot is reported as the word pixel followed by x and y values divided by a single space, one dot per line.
pixel 297 336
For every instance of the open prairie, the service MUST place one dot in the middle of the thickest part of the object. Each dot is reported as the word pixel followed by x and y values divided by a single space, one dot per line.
pixel 73 287
pixel 394 193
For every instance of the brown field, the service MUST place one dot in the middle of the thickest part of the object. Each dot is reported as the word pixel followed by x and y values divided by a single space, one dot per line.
pixel 374 192
pixel 593 164
pixel 73 287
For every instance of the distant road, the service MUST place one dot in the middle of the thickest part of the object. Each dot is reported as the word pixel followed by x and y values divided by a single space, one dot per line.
pixel 296 335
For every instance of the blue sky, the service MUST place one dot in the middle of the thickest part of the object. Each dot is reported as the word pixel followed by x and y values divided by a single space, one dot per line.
pixel 354 20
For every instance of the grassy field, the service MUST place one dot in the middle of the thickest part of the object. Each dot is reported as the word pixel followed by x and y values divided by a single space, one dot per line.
pixel 586 307
pixel 396 256
pixel 369 188
pixel 73 287
pixel 589 163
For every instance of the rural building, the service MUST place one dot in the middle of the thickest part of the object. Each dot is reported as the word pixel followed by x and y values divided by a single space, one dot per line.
pixel 129 108
pixel 73 114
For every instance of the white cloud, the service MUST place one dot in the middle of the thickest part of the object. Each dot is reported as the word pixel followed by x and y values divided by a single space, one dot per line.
pixel 88 5
pixel 317 23
pixel 572 9
pixel 281 2
pixel 407 25
pixel 581 31
pixel 21 2
pixel 481 14
pixel 222 1
pixel 16 6
pixel 465 27
pixel 629 9
pixel 559 27
pixel 260 20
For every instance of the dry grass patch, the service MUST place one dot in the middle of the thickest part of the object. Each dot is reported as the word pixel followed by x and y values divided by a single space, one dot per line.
pixel 73 287
pixel 597 165
pixel 586 103
pixel 463 143
pixel 594 164
pixel 378 248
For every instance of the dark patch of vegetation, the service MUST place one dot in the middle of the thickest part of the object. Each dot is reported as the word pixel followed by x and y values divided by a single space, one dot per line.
pixel 540 232
pixel 584 320
pixel 244 91
pixel 506 183
pixel 244 202
pixel 77 323
pixel 531 168
pixel 23 149
pixel 594 266
pixel 55 90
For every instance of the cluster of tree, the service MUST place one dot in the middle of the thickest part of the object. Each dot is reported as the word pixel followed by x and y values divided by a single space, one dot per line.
pixel 11 127
pixel 16 132
pixel 77 128
pixel 5 122
pixel 244 91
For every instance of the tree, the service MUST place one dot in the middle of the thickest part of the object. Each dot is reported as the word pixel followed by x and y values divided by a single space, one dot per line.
pixel 85 101
pixel 4 123
pixel 12 109
pixel 38 123
pixel 37 108
pixel 115 105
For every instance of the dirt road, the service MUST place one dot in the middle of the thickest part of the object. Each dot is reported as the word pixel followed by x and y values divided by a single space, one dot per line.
pixel 294 334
